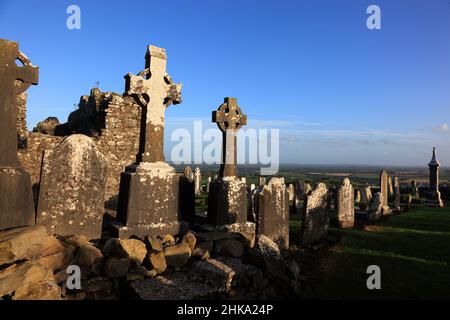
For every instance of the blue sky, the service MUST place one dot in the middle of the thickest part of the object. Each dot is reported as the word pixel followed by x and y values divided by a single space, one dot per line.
pixel 338 92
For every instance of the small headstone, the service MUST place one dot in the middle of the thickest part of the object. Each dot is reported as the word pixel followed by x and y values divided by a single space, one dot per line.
pixel 376 207
pixel 262 181
pixel 188 173
pixel 291 192
pixel 308 189
pixel 272 216
pixel 366 195
pixel 315 220
pixel 207 184
pixel 299 195
pixel 384 186
pixel 357 196
pixel 252 187
pixel 414 189
pixel 345 205
pixel 397 194
pixel 16 198
pixel 390 187
pixel 198 181
pixel 72 188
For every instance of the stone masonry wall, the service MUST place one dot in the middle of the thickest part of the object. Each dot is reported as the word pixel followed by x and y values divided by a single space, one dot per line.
pixel 110 119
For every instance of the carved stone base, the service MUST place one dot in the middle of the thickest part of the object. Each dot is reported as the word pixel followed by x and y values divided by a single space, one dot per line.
pixel 148 200
pixel 16 199
pixel 227 201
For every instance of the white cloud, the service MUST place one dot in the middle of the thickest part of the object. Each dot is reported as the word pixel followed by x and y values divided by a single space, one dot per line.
pixel 442 128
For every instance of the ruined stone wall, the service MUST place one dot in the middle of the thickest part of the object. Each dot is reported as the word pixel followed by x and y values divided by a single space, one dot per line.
pixel 111 120
pixel 22 132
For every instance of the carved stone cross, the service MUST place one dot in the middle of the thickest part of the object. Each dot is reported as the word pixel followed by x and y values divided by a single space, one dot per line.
pixel 16 75
pixel 155 91
pixel 16 198
pixel 229 119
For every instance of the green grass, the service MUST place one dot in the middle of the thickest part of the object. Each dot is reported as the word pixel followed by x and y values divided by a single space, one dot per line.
pixel 412 250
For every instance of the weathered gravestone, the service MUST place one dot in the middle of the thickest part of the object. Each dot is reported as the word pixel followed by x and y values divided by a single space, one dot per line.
pixel 187 195
pixel 188 173
pixel 299 195
pixel 72 188
pixel 228 195
pixel 376 207
pixel 207 184
pixel 198 181
pixel 16 198
pixel 345 205
pixel 397 195
pixel 357 196
pixel 148 196
pixel 366 195
pixel 414 189
pixel 384 186
pixel 315 220
pixel 291 192
pixel 272 216
pixel 262 181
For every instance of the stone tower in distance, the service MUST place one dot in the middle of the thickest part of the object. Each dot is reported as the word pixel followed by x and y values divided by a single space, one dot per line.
pixel 434 193
pixel 434 172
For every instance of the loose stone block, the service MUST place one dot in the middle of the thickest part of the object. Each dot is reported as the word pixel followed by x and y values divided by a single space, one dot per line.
pixel 345 205
pixel 272 217
pixel 315 219
pixel 72 189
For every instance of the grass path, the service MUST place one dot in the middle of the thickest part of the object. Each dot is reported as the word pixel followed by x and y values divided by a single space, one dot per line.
pixel 412 250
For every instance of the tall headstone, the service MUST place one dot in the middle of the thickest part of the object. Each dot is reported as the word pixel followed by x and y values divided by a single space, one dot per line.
pixel 397 195
pixel 384 186
pixel 315 219
pixel 198 181
pixel 228 195
pixel 291 192
pixel 434 193
pixel 345 204
pixel 72 188
pixel 16 198
pixel 148 197
pixel 366 195
pixel 272 217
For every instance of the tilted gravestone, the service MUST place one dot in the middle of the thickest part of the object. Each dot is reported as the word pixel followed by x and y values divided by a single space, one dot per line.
pixel 345 205
pixel 16 198
pixel 148 196
pixel 227 194
pixel 272 216
pixel 397 195
pixel 384 189
pixel 72 188
pixel 315 219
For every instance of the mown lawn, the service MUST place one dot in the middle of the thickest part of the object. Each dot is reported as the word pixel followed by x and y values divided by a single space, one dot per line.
pixel 412 250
